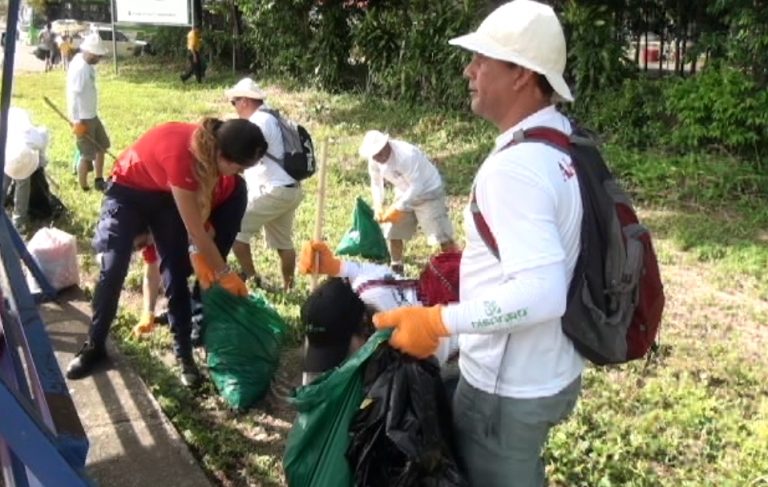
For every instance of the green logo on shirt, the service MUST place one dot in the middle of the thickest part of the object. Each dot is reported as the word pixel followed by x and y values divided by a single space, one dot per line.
pixel 495 317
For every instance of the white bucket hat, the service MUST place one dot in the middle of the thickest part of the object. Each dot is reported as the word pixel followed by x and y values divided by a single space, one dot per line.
pixel 372 144
pixel 92 43
pixel 526 33
pixel 246 88
pixel 21 162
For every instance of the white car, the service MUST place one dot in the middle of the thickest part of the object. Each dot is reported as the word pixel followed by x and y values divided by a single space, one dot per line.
pixel 126 47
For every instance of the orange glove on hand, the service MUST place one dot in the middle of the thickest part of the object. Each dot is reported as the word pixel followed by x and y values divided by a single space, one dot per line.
pixel 417 328
pixel 203 271
pixel 146 325
pixel 232 283
pixel 392 215
pixel 329 264
pixel 79 129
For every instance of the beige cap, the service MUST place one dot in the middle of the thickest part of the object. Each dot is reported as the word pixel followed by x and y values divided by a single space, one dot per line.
pixel 92 44
pixel 246 88
pixel 372 144
pixel 526 33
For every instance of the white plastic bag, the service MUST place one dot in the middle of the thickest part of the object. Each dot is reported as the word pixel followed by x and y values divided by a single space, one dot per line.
pixel 55 252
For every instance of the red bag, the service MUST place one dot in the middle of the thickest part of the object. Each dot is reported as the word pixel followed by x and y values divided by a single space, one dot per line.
pixel 439 281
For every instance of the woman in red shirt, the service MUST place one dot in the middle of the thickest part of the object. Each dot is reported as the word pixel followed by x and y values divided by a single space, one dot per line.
pixel 166 182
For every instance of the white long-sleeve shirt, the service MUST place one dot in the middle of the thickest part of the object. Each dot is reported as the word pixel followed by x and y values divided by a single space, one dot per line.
pixel 369 281
pixel 509 315
pixel 82 99
pixel 267 173
pixel 410 171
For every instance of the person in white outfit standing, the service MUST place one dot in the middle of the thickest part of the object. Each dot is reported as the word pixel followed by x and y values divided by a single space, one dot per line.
pixel 82 99
pixel 520 374
pixel 419 194
pixel 273 195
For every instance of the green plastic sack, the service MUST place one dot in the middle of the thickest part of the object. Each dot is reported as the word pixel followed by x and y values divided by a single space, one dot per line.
pixel 316 448
pixel 242 336
pixel 364 238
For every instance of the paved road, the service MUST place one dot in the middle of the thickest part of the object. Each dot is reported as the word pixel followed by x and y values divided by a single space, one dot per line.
pixel 24 60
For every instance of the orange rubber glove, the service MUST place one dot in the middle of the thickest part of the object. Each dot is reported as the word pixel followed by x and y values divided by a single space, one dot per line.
pixel 329 264
pixel 232 283
pixel 203 271
pixel 392 215
pixel 417 328
pixel 145 326
pixel 79 129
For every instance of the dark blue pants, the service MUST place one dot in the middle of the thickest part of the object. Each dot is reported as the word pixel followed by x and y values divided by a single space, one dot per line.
pixel 127 212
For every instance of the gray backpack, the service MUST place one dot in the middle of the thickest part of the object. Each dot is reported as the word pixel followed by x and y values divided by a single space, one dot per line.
pixel 616 297
pixel 298 157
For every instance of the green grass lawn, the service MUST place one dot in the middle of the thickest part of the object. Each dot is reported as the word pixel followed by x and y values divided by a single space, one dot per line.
pixel 698 415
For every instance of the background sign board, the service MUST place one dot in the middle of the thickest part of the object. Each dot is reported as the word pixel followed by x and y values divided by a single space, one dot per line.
pixel 167 12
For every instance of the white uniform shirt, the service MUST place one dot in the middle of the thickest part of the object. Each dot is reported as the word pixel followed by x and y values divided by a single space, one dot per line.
pixel 508 319
pixel 409 170
pixel 81 89
pixel 267 174
pixel 366 278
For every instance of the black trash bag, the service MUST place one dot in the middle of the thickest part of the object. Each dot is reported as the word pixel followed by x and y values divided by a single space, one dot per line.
pixel 43 204
pixel 402 434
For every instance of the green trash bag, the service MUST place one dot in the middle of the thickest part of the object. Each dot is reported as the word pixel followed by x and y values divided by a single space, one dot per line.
pixel 242 336
pixel 364 238
pixel 75 159
pixel 316 448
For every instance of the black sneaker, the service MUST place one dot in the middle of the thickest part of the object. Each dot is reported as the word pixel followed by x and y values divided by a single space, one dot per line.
pixel 162 318
pixel 198 328
pixel 85 360
pixel 190 375
pixel 100 184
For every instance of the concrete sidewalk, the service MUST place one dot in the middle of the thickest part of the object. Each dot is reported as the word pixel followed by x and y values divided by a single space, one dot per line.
pixel 132 443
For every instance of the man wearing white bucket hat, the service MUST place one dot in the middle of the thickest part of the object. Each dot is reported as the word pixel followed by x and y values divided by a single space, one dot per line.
pixel 92 139
pixel 24 153
pixel 520 374
pixel 273 195
pixel 419 194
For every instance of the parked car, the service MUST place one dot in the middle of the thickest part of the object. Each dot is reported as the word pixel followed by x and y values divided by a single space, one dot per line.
pixel 126 47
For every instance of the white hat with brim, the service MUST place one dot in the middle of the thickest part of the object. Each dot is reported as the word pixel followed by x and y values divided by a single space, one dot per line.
pixel 92 44
pixel 21 161
pixel 373 142
pixel 525 33
pixel 246 88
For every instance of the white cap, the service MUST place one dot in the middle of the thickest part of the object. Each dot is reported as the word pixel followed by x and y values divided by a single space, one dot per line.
pixel 526 33
pixel 246 88
pixel 92 43
pixel 21 162
pixel 373 142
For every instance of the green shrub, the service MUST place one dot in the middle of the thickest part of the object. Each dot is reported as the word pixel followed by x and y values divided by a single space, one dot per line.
pixel 631 114
pixel 719 108
pixel 690 178
pixel 170 41
pixel 405 47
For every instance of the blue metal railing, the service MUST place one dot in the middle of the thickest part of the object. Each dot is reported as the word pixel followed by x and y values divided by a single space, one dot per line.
pixel 42 441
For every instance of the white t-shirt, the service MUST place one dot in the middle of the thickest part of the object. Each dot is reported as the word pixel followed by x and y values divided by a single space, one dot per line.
pixel 371 283
pixel 81 89
pixel 410 171
pixel 267 174
pixel 509 316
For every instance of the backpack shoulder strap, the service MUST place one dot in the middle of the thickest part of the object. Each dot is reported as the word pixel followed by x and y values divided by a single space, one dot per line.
pixel 542 135
pixel 276 114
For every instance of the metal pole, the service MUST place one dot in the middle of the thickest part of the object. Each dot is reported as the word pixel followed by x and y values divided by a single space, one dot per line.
pixel 114 36
pixel 5 91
